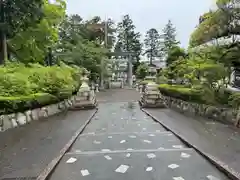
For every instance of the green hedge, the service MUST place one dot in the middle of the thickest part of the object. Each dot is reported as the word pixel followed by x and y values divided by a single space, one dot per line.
pixel 223 97
pixel 28 87
pixel 22 103
pixel 181 92
pixel 144 82
pixel 19 80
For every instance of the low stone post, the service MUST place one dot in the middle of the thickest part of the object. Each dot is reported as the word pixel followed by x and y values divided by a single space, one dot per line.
pixel 97 88
pixel 137 87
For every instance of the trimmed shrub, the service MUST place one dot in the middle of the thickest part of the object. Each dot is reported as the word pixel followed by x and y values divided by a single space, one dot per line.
pixel 181 92
pixel 223 97
pixel 145 82
pixel 14 84
pixel 22 103
pixel 234 100
pixel 27 87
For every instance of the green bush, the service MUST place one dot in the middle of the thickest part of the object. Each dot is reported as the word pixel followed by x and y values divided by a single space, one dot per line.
pixel 53 80
pixel 25 87
pixel 223 97
pixel 181 92
pixel 144 82
pixel 14 84
pixel 20 80
pixel 234 100
pixel 23 103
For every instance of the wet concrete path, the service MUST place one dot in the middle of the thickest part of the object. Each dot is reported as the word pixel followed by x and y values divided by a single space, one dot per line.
pixel 123 143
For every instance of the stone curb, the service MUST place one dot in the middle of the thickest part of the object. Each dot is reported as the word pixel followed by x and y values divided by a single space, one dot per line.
pixel 51 166
pixel 217 163
pixel 15 120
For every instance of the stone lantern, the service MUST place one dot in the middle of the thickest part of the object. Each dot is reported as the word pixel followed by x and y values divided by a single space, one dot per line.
pixel 86 97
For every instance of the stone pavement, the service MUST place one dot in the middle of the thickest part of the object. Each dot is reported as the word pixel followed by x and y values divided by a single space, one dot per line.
pixel 118 95
pixel 26 151
pixel 122 142
pixel 221 142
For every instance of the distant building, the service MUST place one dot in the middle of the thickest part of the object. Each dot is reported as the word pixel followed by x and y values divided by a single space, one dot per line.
pixel 156 65
pixel 159 64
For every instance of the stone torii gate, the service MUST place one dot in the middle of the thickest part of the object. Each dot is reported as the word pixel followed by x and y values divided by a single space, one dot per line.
pixel 129 56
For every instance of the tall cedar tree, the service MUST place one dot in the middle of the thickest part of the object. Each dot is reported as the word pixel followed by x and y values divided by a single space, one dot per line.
pixel 152 44
pixel 128 39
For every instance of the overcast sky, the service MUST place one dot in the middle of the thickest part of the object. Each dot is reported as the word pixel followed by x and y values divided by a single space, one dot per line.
pixel 146 14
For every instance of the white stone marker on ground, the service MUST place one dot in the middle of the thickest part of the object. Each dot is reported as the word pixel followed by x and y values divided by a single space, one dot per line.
pixel 178 178
pixel 71 160
pixel 122 169
pixel 211 177
pixel 122 141
pixel 149 169
pixel 185 155
pixel 151 155
pixel 108 157
pixel 173 166
pixel 85 172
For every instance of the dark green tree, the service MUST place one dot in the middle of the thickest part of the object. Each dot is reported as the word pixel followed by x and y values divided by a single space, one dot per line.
pixel 80 46
pixel 142 71
pixel 152 44
pixel 17 16
pixel 174 54
pixel 129 39
pixel 169 37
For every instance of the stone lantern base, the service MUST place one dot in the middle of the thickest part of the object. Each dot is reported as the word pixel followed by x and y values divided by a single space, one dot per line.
pixel 151 97
pixel 86 98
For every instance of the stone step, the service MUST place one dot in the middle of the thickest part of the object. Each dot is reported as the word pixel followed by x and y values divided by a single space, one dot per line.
pixel 137 165
pixel 126 141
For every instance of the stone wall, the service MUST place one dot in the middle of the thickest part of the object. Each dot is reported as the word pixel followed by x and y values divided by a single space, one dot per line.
pixel 224 115
pixel 18 119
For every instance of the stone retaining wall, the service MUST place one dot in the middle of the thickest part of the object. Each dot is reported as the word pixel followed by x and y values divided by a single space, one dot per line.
pixel 18 119
pixel 225 115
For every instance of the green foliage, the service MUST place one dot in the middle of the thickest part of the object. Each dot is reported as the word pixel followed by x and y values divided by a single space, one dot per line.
pixel 181 92
pixel 161 77
pixel 199 94
pixel 31 45
pixel 15 104
pixel 27 87
pixel 20 80
pixel 205 16
pixel 202 72
pixel 174 54
pixel 128 39
pixel 178 68
pixel 220 23
pixel 145 82
pixel 152 44
pixel 169 37
pixel 209 29
pixel 142 71
pixel 234 100
pixel 80 44
pixel 22 14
